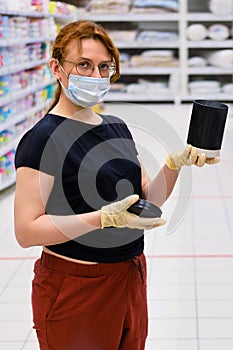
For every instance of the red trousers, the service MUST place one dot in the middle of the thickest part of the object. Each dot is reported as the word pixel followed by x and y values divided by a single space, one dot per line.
pixel 90 307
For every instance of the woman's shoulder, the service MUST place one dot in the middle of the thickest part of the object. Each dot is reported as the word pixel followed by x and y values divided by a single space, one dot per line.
pixel 48 123
pixel 109 118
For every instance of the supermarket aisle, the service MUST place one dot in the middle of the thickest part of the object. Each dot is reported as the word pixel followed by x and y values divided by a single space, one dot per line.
pixel 190 262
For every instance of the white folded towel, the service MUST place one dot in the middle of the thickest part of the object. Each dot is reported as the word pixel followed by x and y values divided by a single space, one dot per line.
pixel 196 32
pixel 221 58
pixel 228 88
pixel 221 7
pixel 218 32
pixel 197 61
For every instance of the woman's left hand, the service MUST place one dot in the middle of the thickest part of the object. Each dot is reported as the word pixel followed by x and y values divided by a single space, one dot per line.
pixel 189 156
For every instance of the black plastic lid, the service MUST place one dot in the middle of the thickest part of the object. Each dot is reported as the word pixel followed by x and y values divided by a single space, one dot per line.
pixel 145 209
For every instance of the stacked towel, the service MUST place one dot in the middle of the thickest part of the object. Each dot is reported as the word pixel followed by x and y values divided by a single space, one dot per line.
pixel 155 6
pixel 221 7
pixel 197 61
pixel 154 58
pixel 220 58
pixel 155 35
pixel 149 88
pixel 196 32
pixel 204 87
pixel 109 6
pixel 123 35
pixel 218 32
pixel 228 88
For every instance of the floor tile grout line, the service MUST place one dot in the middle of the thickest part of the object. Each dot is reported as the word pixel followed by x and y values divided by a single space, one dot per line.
pixel 11 277
pixel 195 277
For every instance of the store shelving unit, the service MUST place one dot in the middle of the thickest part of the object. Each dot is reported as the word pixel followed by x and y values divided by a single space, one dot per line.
pixel 199 13
pixel 35 90
pixel 189 12
pixel 131 74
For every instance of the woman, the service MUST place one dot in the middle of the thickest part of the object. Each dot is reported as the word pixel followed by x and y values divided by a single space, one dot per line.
pixel 77 174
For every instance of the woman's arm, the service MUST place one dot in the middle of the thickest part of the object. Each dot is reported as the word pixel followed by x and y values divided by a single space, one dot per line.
pixel 159 188
pixel 33 227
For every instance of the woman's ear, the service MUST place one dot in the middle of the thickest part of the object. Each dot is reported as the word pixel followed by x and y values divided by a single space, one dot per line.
pixel 55 68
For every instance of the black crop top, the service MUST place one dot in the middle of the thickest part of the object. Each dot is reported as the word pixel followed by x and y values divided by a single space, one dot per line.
pixel 92 166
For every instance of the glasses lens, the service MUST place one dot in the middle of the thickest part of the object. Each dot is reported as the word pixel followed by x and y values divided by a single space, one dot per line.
pixel 84 68
pixel 106 69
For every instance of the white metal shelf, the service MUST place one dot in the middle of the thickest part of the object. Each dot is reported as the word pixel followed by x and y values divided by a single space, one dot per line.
pixel 220 97
pixel 207 17
pixel 35 14
pixel 207 70
pixel 22 66
pixel 130 17
pixel 206 44
pixel 150 44
pixel 116 96
pixel 23 41
pixel 148 70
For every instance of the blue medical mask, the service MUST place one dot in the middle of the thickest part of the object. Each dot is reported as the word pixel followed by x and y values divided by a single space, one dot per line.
pixel 86 91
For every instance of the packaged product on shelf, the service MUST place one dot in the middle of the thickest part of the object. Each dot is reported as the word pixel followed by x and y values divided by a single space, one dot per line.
pixel 150 87
pixel 155 6
pixel 197 61
pixel 4 85
pixel 4 32
pixel 228 88
pixel 109 6
pixel 7 168
pixel 221 7
pixel 218 31
pixel 5 137
pixel 197 32
pixel 202 87
pixel 61 8
pixel 154 58
pixel 156 35
pixel 123 35
pixel 221 58
pixel 5 113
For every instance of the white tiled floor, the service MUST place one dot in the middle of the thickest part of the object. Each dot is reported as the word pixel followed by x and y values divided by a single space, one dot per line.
pixel 190 268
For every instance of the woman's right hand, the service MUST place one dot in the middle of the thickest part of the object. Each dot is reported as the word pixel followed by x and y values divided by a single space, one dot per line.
pixel 117 215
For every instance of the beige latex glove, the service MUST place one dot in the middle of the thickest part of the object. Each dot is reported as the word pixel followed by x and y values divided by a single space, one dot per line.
pixel 188 156
pixel 116 215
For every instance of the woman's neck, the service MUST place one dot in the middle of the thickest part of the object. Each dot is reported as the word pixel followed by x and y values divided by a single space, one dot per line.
pixel 85 115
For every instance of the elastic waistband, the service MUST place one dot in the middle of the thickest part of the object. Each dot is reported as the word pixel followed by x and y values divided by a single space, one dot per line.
pixel 76 269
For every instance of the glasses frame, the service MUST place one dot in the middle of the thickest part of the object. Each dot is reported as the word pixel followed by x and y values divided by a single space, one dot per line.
pixel 75 64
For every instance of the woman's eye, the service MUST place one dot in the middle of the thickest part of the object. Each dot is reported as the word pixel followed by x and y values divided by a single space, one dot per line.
pixel 84 65
pixel 104 66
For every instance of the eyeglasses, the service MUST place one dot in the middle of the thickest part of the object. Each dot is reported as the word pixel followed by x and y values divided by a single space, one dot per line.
pixel 86 68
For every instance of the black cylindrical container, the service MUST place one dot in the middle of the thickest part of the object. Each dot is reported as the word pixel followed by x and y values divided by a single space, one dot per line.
pixel 206 126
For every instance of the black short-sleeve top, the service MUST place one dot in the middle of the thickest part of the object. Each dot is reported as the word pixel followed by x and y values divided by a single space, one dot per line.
pixel 92 165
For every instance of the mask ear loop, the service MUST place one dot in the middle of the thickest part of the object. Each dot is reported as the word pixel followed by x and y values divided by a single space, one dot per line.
pixel 62 69
pixel 59 80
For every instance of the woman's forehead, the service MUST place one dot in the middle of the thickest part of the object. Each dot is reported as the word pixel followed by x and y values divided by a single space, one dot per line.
pixel 87 48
